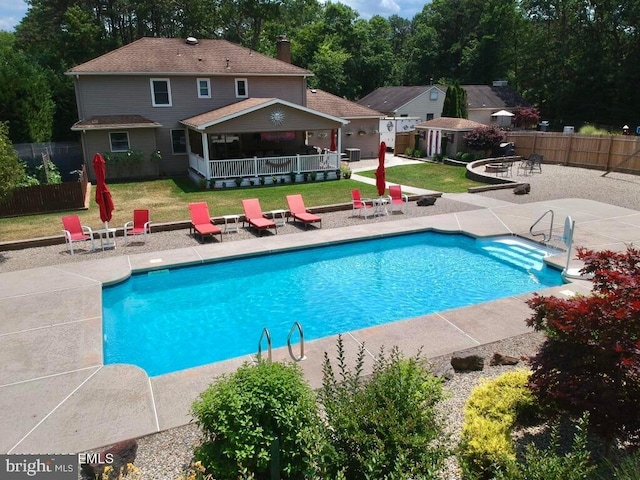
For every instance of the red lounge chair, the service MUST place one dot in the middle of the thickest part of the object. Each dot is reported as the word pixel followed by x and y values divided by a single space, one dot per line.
pixel 253 214
pixel 201 221
pixel 299 211
pixel 361 204
pixel 141 225
pixel 397 198
pixel 75 232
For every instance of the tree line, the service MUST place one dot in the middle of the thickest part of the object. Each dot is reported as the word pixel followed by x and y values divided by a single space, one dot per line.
pixel 575 60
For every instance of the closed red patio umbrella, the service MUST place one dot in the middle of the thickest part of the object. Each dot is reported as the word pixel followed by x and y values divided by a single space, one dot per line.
pixel 103 195
pixel 380 173
pixel 333 141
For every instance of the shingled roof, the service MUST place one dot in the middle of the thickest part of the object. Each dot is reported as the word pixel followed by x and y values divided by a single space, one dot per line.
pixel 340 107
pixel 174 56
pixel 389 99
pixel 450 123
pixel 494 97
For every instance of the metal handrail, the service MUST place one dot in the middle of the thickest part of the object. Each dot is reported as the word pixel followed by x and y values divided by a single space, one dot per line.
pixel 545 238
pixel 293 328
pixel 265 333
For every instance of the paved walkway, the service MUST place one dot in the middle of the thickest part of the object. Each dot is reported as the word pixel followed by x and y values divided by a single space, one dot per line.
pixel 57 396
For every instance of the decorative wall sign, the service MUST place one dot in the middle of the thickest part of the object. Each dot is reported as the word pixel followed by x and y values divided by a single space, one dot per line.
pixel 277 117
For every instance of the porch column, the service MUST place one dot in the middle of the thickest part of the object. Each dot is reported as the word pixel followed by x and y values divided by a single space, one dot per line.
pixel 339 145
pixel 205 155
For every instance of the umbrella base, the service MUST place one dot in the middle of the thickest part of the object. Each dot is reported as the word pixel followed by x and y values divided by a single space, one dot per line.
pixel 107 238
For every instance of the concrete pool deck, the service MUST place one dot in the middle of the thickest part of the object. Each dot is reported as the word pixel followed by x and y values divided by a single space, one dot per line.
pixel 57 396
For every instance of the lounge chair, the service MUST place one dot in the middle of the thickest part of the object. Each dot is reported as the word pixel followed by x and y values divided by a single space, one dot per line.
pixel 141 225
pixel 201 223
pixel 253 214
pixel 360 204
pixel 299 211
pixel 75 232
pixel 397 198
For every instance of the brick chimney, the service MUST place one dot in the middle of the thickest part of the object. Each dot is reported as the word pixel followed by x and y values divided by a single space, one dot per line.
pixel 283 49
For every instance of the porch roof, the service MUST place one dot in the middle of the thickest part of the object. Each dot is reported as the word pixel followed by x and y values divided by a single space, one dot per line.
pixel 244 107
pixel 109 122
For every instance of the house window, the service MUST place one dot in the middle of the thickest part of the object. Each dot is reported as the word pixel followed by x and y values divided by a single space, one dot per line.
pixel 429 116
pixel 178 141
pixel 204 88
pixel 242 89
pixel 119 141
pixel 160 92
pixel 433 95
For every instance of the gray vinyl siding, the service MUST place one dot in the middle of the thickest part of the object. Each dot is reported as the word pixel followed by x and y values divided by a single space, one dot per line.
pixel 260 121
pixel 422 104
pixel 131 95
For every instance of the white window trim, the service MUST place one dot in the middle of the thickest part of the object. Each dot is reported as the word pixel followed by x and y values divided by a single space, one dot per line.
pixel 208 87
pixel 173 152
pixel 153 96
pixel 111 142
pixel 246 88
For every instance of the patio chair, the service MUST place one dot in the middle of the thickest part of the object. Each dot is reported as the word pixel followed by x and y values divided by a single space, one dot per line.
pixel 362 205
pixel 201 223
pixel 141 225
pixel 299 212
pixel 530 165
pixel 253 214
pixel 397 198
pixel 75 232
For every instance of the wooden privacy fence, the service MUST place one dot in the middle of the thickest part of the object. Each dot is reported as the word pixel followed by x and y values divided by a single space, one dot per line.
pixel 601 152
pixel 46 198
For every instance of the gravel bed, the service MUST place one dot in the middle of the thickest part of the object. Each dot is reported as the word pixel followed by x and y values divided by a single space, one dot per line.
pixel 12 260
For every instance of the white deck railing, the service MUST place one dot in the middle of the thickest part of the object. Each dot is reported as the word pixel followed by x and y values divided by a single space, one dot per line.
pixel 264 166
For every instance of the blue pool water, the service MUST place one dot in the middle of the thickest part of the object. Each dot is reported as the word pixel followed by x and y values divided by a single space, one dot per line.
pixel 185 317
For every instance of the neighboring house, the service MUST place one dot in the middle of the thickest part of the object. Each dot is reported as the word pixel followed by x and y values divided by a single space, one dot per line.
pixel 424 102
pixel 165 106
pixel 453 130
pixel 362 131
pixel 484 101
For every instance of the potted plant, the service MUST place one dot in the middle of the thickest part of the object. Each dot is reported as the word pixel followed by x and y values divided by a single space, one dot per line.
pixel 262 180
pixel 292 176
pixel 313 176
pixel 238 181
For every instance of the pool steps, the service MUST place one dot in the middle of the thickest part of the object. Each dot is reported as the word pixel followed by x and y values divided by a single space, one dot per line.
pixel 517 254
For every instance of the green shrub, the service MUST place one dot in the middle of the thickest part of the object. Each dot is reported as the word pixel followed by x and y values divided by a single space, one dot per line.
pixel 489 417
pixel 551 463
pixel 345 171
pixel 459 155
pixel 467 157
pixel 592 130
pixel 241 415
pixel 628 468
pixel 408 151
pixel 385 426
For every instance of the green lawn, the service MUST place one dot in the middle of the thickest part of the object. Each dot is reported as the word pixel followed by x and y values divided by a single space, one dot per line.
pixel 168 199
pixel 442 178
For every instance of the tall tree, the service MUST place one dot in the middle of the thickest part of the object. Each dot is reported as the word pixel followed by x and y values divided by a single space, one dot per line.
pixel 25 96
pixel 10 168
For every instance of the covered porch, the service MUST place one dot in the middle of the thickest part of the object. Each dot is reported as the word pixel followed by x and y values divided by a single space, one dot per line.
pixel 259 139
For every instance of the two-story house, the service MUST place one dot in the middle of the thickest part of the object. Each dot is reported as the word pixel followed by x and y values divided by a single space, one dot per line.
pixel 209 107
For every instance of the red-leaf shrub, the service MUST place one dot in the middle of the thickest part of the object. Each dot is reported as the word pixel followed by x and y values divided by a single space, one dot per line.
pixel 527 117
pixel 484 138
pixel 590 360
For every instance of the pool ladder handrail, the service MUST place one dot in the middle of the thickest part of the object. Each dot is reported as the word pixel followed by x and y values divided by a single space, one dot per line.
pixel 296 325
pixel 545 238
pixel 265 333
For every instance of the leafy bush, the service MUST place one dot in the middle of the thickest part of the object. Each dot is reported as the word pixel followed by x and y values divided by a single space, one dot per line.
pixel 485 138
pixel 468 157
pixel 527 117
pixel 489 416
pixel 345 171
pixel 459 155
pixel 551 463
pixel 591 356
pixel 408 151
pixel 241 415
pixel 592 130
pixel 385 426
pixel 626 469
pixel 130 157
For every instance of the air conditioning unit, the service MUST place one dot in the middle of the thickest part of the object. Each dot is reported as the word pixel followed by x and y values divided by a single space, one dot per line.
pixel 354 154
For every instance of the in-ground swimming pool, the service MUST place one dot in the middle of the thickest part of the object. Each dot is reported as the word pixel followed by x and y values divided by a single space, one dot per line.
pixel 169 320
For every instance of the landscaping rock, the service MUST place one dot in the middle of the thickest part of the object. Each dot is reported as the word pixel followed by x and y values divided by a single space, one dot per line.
pixel 522 189
pixel 444 371
pixel 117 456
pixel 499 359
pixel 426 201
pixel 466 362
